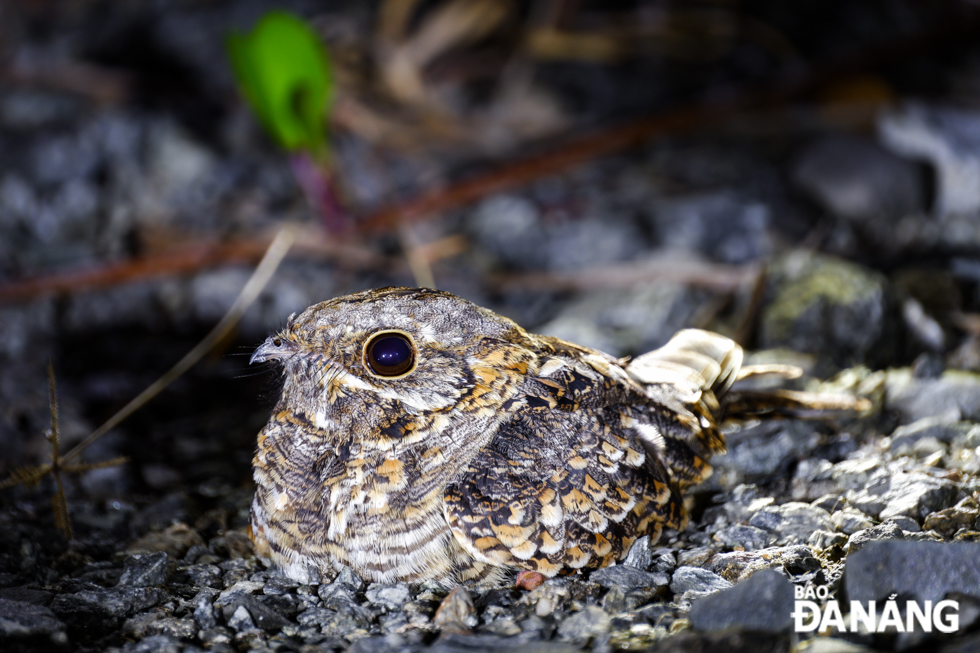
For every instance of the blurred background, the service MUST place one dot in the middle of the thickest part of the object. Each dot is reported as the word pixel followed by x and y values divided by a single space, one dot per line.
pixel 804 177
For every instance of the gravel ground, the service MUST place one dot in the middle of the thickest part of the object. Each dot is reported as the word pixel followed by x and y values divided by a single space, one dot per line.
pixel 868 230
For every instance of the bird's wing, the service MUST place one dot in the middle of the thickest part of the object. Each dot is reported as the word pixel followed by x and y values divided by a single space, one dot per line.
pixel 683 380
pixel 567 483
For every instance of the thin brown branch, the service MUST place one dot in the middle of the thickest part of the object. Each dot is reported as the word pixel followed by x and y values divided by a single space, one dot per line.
pixel 102 464
pixel 103 85
pixel 715 276
pixel 186 258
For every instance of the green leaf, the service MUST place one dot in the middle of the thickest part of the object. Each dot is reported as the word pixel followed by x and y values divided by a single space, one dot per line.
pixel 284 72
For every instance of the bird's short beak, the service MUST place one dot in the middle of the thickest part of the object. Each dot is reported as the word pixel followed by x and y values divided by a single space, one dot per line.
pixel 273 347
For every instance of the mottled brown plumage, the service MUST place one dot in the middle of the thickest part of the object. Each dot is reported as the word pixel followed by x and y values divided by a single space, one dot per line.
pixel 490 449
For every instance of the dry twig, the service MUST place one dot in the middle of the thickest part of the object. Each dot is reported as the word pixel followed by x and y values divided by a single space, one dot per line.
pixel 663 269
pixel 31 476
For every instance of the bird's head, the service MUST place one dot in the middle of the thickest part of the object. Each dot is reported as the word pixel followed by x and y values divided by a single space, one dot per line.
pixel 427 349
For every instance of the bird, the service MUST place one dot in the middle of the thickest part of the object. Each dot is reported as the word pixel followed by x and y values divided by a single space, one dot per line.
pixel 420 437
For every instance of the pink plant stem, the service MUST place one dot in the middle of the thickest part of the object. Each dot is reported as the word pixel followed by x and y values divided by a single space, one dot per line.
pixel 318 186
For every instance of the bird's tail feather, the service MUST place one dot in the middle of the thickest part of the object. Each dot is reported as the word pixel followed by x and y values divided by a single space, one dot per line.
pixel 693 361
pixel 747 404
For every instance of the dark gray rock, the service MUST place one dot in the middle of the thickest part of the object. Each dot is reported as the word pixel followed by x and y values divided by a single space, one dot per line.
pixel 697 579
pixel 858 180
pixel 146 570
pixel 201 575
pixel 854 473
pixel 928 365
pixel 699 556
pixel 812 480
pixel 907 524
pixel 585 625
pixel 719 224
pixel 26 625
pixel 261 615
pixel 156 622
pixel 589 241
pixel 946 137
pixel 937 427
pixel 510 228
pixel 916 495
pixel 954 396
pixel 850 521
pixel 829 502
pixel 340 618
pixel 455 643
pixel 663 561
pixel 927 571
pixel 240 619
pixel 749 538
pixel 825 539
pixel 391 597
pixel 456 612
pixel 967 644
pixel 946 522
pixel 763 603
pixel 739 565
pixel 628 587
pixel 159 644
pixel 823 305
pixel 628 321
pixel 118 602
pixel 212 638
pixel 729 642
pixel 885 531
pixel 279 585
pixel 628 578
pixel 640 555
pixel 346 580
pixel 742 502
pixel 204 614
pixel 764 450
pixel 791 522
pixel 26 595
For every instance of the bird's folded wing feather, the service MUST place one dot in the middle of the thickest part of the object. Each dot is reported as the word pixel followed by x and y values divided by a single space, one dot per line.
pixel 566 484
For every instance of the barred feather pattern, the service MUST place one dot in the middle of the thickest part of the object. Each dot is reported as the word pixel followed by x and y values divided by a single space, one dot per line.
pixel 500 450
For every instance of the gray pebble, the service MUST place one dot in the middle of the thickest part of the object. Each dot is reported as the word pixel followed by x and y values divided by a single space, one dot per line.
pixel 885 531
pixel 204 614
pixel 827 306
pixel 928 571
pixel 791 522
pixel 695 578
pixel 146 570
pixel 764 603
pixel 389 596
pixel 26 624
pixel 748 538
pixel 240 619
pixel 119 602
pixel 585 625
pixel 850 521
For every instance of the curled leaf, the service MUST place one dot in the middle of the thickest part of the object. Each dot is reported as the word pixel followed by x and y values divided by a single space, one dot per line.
pixel 284 72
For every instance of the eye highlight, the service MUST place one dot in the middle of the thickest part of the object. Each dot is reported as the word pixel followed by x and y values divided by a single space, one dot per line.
pixel 390 354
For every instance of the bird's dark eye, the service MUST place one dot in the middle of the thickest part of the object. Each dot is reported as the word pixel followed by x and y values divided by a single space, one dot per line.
pixel 390 354
pixel 277 342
